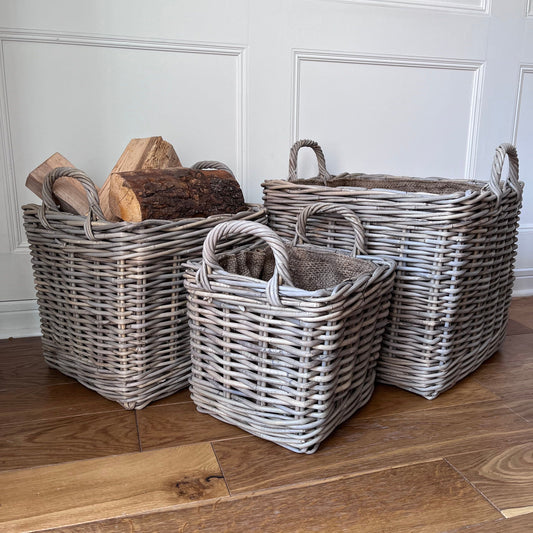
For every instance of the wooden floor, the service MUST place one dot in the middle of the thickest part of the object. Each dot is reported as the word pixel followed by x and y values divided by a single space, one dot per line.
pixel 71 460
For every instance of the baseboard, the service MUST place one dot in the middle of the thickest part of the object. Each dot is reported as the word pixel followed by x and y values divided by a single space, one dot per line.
pixel 523 285
pixel 21 318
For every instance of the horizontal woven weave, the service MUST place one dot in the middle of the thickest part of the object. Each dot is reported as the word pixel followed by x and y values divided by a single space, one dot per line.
pixel 454 242
pixel 280 361
pixel 111 297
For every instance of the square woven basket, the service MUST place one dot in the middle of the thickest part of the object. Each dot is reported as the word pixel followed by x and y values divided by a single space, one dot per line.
pixel 285 362
pixel 454 242
pixel 111 297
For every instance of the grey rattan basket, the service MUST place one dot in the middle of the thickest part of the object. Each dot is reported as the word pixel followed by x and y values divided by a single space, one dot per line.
pixel 454 242
pixel 111 297
pixel 287 363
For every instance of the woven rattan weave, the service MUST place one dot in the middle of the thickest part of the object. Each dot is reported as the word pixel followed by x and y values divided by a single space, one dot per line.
pixel 454 242
pixel 286 362
pixel 111 297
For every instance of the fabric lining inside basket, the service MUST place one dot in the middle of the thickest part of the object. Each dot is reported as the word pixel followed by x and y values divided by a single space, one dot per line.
pixel 310 270
pixel 397 183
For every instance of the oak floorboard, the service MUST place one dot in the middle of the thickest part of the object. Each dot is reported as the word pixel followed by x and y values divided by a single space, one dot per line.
pixel 510 375
pixel 517 524
pixel 181 396
pixel 388 400
pixel 54 401
pixel 67 439
pixel 179 424
pixel 366 444
pixel 429 497
pixel 504 475
pixel 22 365
pixel 113 486
pixel 521 310
pixel 515 350
pixel 517 328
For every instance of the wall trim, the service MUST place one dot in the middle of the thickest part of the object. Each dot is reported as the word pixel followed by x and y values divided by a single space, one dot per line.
pixel 477 67
pixel 19 318
pixel 483 7
pixel 524 69
pixel 529 8
pixel 523 285
pixel 16 235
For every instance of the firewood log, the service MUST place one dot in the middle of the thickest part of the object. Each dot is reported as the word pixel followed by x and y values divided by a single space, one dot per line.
pixel 174 193
pixel 69 194
pixel 150 152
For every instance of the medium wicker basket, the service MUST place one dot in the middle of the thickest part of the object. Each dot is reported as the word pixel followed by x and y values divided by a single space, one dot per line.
pixel 454 242
pixel 111 297
pixel 285 362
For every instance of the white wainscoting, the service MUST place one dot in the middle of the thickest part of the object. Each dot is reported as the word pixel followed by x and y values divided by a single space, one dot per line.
pixel 415 87
pixel 475 6
pixel 375 99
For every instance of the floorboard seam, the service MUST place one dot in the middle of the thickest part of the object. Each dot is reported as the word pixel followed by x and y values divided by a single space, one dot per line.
pixel 481 493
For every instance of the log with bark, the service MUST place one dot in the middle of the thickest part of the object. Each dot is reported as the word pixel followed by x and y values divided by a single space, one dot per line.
pixel 145 153
pixel 174 193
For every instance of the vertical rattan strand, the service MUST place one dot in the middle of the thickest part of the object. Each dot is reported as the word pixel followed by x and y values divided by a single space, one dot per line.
pixel 263 351
pixel 226 350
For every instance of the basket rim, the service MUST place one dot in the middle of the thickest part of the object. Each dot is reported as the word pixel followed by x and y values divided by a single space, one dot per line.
pixel 481 187
pixel 72 219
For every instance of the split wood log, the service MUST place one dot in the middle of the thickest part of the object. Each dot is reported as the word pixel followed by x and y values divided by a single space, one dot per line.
pixel 174 193
pixel 69 194
pixel 145 153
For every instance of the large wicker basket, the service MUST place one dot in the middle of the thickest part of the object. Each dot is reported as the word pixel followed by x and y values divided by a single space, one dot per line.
pixel 454 242
pixel 286 362
pixel 111 297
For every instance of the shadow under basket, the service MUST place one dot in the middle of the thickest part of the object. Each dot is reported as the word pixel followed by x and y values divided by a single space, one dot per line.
pixel 111 297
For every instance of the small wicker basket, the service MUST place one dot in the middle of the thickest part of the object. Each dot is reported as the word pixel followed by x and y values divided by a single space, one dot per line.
pixel 111 297
pixel 454 242
pixel 285 362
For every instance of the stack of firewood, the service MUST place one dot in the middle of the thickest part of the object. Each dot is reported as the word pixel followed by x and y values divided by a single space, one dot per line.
pixel 147 182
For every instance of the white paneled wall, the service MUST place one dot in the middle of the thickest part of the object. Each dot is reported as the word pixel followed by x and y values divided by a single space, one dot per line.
pixel 415 87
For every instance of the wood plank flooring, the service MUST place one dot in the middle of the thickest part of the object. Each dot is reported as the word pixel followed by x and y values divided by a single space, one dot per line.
pixel 72 461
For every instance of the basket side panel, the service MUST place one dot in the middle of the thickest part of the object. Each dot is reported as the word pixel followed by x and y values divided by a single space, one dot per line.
pixel 454 273
pixel 113 310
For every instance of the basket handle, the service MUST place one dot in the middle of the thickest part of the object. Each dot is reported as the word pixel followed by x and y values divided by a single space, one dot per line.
pixel 321 160
pixel 244 227
pixel 497 166
pixel 217 165
pixel 95 211
pixel 324 208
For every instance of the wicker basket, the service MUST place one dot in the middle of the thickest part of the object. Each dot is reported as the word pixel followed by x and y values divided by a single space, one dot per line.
pixel 111 297
pixel 454 242
pixel 290 362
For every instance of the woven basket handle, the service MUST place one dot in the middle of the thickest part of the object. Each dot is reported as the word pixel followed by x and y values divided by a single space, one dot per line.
pixel 497 166
pixel 321 160
pixel 205 165
pixel 95 211
pixel 244 227
pixel 324 208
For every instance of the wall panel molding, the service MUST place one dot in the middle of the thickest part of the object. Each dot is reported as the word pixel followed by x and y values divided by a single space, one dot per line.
pixel 529 8
pixel 482 7
pixel 524 71
pixel 17 239
pixel 476 67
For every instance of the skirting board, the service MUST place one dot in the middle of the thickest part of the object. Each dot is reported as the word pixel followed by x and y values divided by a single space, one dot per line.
pixel 21 318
